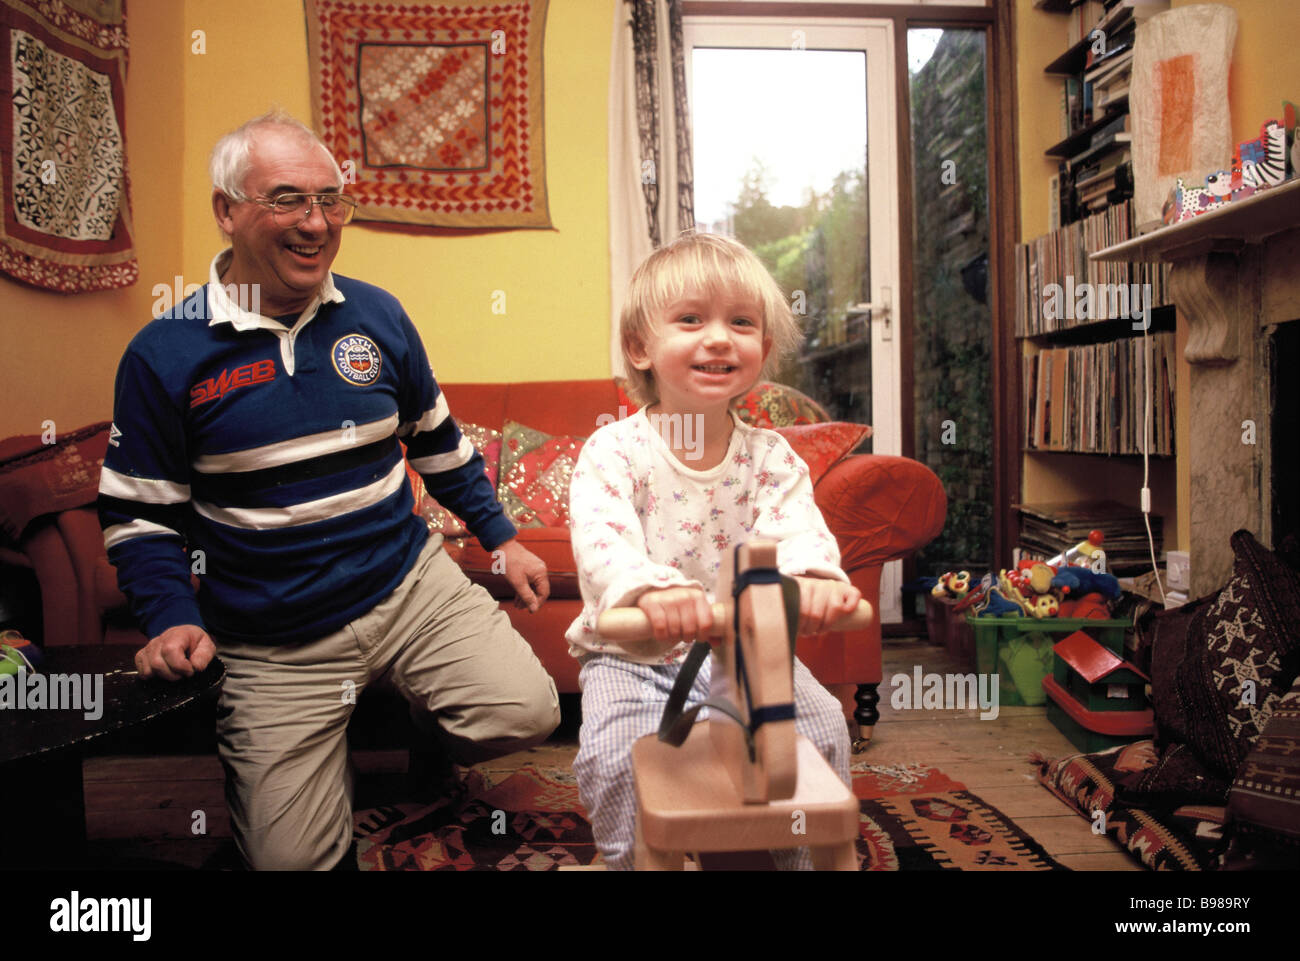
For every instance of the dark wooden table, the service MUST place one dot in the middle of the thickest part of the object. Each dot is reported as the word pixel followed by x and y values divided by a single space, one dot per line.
pixel 41 750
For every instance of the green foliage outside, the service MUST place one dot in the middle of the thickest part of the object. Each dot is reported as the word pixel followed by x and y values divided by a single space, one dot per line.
pixel 816 252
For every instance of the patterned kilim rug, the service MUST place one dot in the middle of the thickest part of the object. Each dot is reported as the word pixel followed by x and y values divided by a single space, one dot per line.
pixel 914 818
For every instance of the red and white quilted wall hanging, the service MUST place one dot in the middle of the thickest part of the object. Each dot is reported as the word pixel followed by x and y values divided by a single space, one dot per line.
pixel 66 222
pixel 434 111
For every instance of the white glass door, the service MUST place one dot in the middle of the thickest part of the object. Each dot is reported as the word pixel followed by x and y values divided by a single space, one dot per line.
pixel 794 130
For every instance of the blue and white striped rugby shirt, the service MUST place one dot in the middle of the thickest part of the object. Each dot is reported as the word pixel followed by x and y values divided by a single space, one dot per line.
pixel 273 448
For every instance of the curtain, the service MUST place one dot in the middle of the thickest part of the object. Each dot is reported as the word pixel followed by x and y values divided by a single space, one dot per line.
pixel 651 196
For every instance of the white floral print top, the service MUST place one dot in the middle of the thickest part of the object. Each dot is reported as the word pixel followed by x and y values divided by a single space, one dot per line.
pixel 641 519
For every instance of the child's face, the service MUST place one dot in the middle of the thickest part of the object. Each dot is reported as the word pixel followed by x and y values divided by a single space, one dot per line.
pixel 704 350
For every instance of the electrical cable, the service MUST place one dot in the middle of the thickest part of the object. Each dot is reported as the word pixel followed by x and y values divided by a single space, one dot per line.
pixel 1146 444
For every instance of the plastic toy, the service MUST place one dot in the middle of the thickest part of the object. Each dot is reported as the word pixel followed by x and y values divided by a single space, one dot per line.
pixel 951 584
pixel 1029 587
pixel 1084 554
pixel 17 653
pixel 996 605
pixel 1075 582
pixel 1044 605
pixel 1090 606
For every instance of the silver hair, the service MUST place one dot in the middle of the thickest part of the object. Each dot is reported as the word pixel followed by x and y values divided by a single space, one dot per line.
pixel 231 157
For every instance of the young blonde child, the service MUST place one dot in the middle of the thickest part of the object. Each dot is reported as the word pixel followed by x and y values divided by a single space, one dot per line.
pixel 652 515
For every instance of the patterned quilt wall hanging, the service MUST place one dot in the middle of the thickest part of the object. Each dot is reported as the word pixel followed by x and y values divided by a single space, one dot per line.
pixel 433 110
pixel 66 222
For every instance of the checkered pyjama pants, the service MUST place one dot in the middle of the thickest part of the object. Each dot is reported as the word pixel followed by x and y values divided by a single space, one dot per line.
pixel 622 701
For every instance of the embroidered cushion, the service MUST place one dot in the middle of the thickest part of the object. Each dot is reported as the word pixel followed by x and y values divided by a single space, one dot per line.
pixel 440 520
pixel 1174 836
pixel 1242 655
pixel 535 472
pixel 1265 796
pixel 822 446
pixel 775 405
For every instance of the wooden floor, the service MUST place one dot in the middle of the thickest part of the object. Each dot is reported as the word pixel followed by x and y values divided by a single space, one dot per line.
pixel 142 810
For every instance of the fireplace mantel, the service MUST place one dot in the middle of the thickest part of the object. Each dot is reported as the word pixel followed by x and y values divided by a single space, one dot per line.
pixel 1235 272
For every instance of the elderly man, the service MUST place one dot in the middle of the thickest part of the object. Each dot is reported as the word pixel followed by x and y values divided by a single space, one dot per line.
pixel 259 447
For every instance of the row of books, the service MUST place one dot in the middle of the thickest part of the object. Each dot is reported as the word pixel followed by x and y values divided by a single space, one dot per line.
pixel 1100 91
pixel 1058 287
pixel 1082 19
pixel 1102 175
pixel 1088 16
pixel 1047 530
pixel 1110 77
pixel 1107 182
pixel 1092 398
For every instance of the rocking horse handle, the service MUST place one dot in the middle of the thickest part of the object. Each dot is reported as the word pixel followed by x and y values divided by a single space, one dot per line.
pixel 632 624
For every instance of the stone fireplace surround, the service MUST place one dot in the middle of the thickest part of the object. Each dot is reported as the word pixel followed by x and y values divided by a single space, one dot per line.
pixel 1235 276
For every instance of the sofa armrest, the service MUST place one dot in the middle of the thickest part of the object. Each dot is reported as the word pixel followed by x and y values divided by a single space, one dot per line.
pixel 880 508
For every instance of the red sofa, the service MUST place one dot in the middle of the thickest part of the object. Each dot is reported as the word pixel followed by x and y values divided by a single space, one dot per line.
pixel 879 508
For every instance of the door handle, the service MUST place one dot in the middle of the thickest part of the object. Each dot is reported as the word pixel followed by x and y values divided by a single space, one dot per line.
pixel 882 311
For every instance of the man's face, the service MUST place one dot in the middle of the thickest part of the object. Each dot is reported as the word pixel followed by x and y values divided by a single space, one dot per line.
pixel 289 263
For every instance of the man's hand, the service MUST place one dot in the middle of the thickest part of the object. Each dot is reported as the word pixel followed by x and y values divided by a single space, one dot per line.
pixel 822 602
pixel 527 575
pixel 678 614
pixel 180 651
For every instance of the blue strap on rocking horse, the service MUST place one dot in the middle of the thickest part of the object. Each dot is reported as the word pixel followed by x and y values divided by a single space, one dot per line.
pixel 676 724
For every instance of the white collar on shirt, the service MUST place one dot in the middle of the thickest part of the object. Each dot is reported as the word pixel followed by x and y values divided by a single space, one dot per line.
pixel 223 309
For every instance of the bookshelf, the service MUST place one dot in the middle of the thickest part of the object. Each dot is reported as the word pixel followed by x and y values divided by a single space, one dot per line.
pixel 1084 359
pixel 1235 273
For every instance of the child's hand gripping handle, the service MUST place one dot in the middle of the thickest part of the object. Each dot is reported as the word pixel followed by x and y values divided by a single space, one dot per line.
pixel 632 624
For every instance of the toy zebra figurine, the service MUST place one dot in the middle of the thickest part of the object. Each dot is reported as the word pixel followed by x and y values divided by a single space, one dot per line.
pixel 1261 162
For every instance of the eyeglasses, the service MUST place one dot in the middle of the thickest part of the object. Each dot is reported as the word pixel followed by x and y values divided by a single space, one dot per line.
pixel 292 210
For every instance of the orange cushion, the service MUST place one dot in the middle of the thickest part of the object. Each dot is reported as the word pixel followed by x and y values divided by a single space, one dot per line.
pixel 822 446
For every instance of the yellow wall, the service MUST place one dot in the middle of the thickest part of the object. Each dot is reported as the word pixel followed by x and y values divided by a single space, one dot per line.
pixel 556 281
pixel 71 343
pixel 1265 71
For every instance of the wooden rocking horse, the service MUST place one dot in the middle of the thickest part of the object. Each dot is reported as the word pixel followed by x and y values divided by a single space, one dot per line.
pixel 745 780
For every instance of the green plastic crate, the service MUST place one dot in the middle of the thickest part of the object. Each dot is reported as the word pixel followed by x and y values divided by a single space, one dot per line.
pixel 1019 650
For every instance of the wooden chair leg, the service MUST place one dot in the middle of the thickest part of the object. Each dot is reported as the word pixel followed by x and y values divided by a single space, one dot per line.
pixel 866 715
pixel 835 857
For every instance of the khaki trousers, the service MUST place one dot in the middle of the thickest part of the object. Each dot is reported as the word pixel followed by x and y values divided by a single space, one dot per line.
pixel 441 641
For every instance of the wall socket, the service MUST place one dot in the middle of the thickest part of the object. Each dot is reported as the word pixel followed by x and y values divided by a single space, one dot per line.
pixel 1178 570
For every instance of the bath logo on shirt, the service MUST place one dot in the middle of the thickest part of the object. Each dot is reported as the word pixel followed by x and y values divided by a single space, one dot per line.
pixel 357 360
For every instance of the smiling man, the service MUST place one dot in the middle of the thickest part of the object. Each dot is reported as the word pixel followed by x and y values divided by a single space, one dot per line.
pixel 261 451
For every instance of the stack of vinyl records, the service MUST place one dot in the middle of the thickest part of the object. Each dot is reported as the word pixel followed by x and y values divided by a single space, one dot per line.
pixel 1050 529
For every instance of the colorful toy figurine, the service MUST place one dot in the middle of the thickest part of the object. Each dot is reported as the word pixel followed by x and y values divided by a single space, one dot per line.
pixel 955 585
pixel 1084 554
pixel 1261 162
